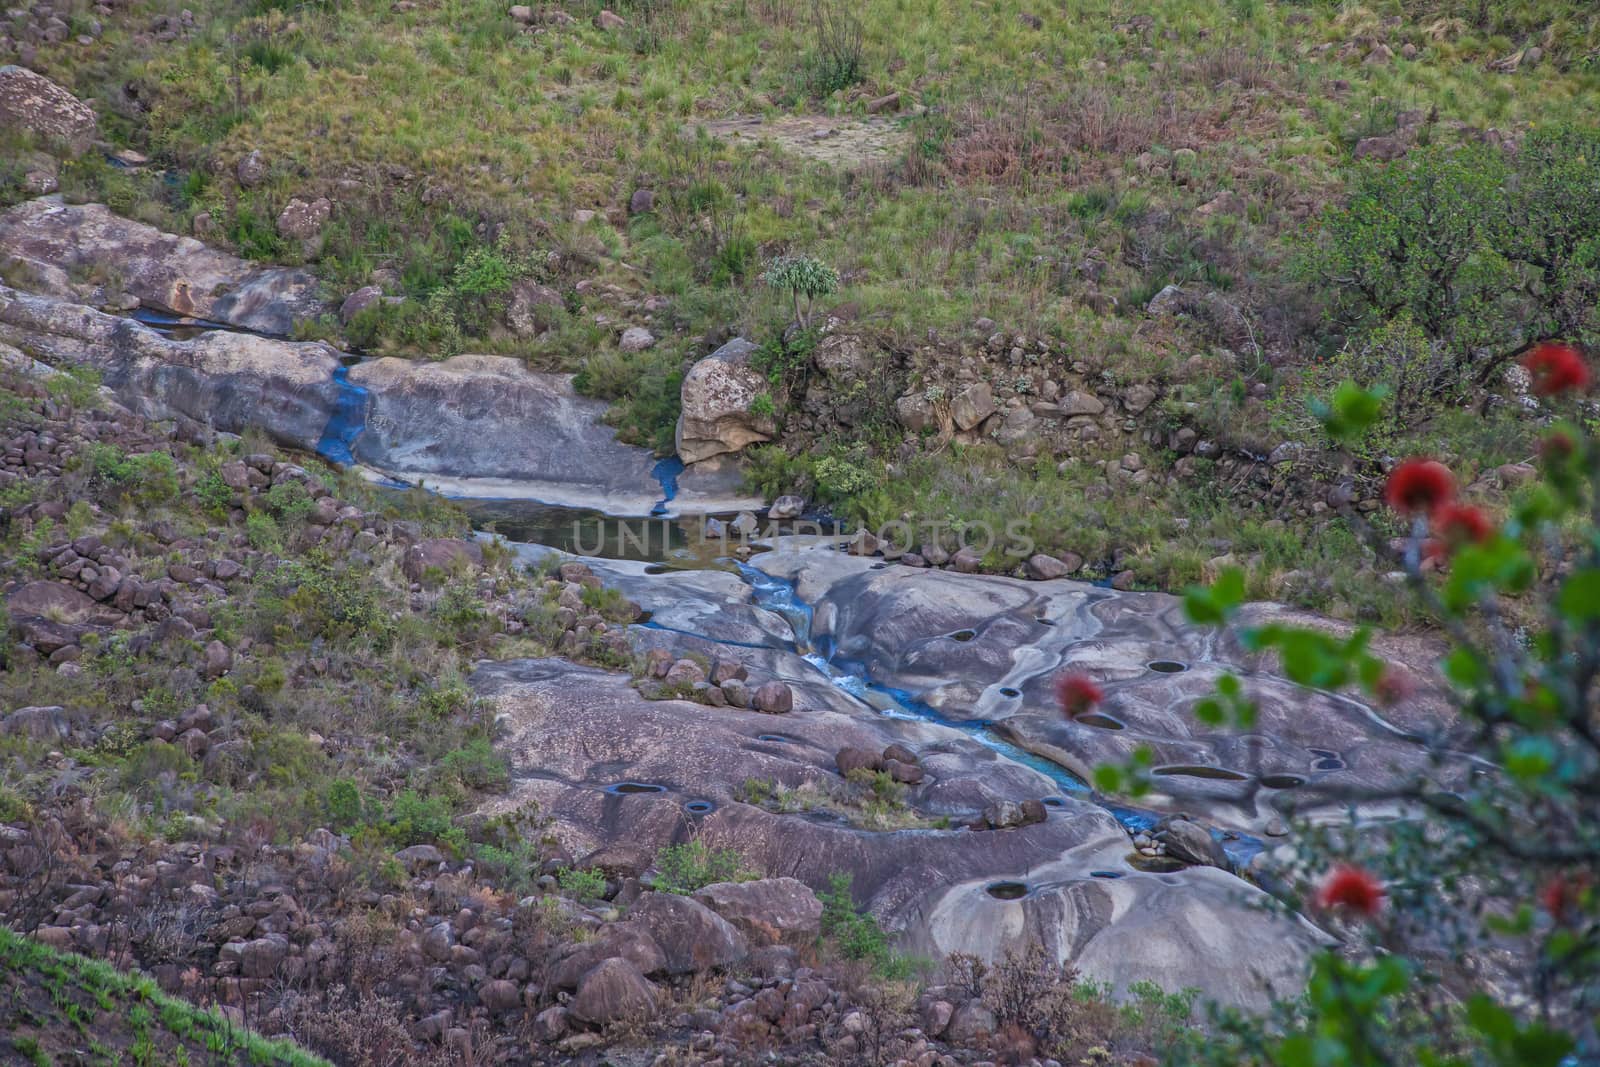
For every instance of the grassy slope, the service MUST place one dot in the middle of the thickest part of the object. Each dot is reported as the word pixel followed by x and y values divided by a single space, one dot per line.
pixel 59 1007
pixel 441 130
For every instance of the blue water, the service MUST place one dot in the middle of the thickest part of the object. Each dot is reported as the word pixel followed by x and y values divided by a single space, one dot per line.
pixel 348 420
pixel 779 597
pixel 666 472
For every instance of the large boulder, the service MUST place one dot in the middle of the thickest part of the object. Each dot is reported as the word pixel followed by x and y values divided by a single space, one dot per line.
pixel 488 426
pixel 615 992
pixel 442 554
pixel 972 405
pixel 231 381
pixel 716 397
pixel 768 911
pixel 33 104
pixel 54 244
pixel 692 936
pixel 624 940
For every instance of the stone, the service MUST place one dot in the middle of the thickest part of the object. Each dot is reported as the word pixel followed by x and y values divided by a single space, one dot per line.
pixel 636 339
pixel 774 698
pixel 787 507
pixel 615 992
pixel 363 298
pixel 692 937
pixel 1078 402
pixel 35 105
pixel 1384 149
pixel 966 560
pixel 768 911
pixel 441 554
pixel 972 405
pixel 1136 398
pixel 58 242
pixel 972 1024
pixel 684 672
pixel 303 221
pixel 1169 301
pixel 1190 842
pixel 904 773
pixel 218 659
pixel 625 940
pixel 716 398
pixel 736 692
pixel 915 412
pixel 252 169
pixel 643 201
pixel 1042 568
pixel 532 307
pixel 500 996
pixel 416 858
pixel 609 20
pixel 521 13
pixel 43 723
pixel 850 759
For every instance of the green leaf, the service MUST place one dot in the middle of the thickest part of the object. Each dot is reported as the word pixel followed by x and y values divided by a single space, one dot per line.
pixel 1108 778
pixel 1579 599
pixel 1352 410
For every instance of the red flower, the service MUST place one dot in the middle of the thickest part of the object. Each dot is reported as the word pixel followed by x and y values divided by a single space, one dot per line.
pixel 1353 889
pixel 1461 524
pixel 1077 693
pixel 1561 895
pixel 1419 485
pixel 1556 368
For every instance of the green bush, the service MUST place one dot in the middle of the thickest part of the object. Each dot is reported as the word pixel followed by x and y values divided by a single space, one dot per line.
pixel 684 868
pixel 583 885
pixel 856 935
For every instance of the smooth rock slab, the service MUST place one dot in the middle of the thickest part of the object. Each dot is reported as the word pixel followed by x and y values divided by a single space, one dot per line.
pixel 58 242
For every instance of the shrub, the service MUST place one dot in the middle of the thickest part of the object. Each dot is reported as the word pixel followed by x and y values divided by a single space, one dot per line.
pixel 476 765
pixel 1501 862
pixel 582 885
pixel 837 33
pixel 856 934
pixel 684 868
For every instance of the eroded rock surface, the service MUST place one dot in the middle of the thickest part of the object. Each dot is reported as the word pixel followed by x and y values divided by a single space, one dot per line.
pixel 717 395
pixel 230 381
pixel 52 245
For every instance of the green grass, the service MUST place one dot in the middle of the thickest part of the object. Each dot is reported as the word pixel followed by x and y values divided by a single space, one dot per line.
pixel 49 994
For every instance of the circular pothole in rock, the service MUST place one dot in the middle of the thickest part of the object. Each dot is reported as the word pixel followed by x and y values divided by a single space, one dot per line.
pixel 878 566
pixel 1105 874
pixel 643 617
pixel 963 635
pixel 1007 890
pixel 699 807
pixel 657 568
pixel 1010 691
pixel 1045 622
pixel 1099 719
pixel 1329 764
pixel 776 739
pixel 1220 774
pixel 1154 864
pixel 1054 802
pixel 1167 666
pixel 1282 781
pixel 627 789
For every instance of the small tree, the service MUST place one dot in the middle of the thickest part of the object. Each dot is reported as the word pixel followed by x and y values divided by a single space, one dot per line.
pixel 805 278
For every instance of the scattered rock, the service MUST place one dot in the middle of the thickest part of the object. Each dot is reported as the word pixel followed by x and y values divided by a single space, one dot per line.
pixel 36 105
pixel 615 992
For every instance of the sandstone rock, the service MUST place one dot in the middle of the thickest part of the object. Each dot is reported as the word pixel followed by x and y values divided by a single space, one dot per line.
pixel 685 672
pixel 692 937
pixel 768 911
pixel 1040 568
pixel 532 307
pixel 774 698
pixel 1136 398
pixel 1169 301
pixel 357 302
pixel 851 759
pixel 500 996
pixel 252 169
pixel 443 554
pixel 1189 842
pixel 302 221
pixel 1078 402
pixel 626 940
pixel 786 507
pixel 642 202
pixel 915 412
pixel 59 243
pixel 36 105
pixel 971 1025
pixel 521 13
pixel 609 20
pixel 972 405
pixel 39 723
pixel 1384 149
pixel 736 692
pixel 966 561
pixel 636 339
pixel 419 857
pixel 615 992
pixel 904 773
pixel 716 397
